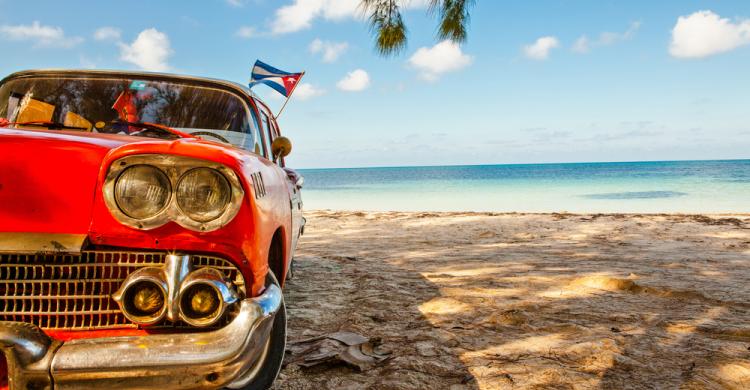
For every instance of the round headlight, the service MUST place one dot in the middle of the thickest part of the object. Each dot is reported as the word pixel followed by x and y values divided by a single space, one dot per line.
pixel 144 302
pixel 203 194
pixel 201 305
pixel 146 299
pixel 200 301
pixel 142 191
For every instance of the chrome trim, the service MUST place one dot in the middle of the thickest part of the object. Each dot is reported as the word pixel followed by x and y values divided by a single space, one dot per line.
pixel 249 375
pixel 174 278
pixel 215 359
pixel 23 242
pixel 148 274
pixel 176 269
pixel 259 186
pixel 267 302
pixel 215 280
pixel 28 352
pixel 64 291
pixel 174 167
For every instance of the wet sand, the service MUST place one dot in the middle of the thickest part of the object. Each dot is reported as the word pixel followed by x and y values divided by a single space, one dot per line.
pixel 496 301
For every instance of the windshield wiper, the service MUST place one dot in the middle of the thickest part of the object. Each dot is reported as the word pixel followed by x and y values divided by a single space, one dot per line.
pixel 152 126
pixel 49 124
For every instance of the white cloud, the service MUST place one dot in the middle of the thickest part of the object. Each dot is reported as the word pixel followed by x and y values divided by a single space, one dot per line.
pixel 246 32
pixel 42 36
pixel 306 91
pixel 330 50
pixel 236 3
pixel 300 14
pixel 107 34
pixel 150 50
pixel 357 80
pixel 539 50
pixel 444 57
pixel 705 33
pixel 296 16
pixel 583 44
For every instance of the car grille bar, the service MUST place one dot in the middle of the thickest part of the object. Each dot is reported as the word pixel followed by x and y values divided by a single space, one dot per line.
pixel 73 292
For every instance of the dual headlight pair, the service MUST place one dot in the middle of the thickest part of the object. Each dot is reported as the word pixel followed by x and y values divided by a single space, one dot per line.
pixel 147 191
pixel 175 292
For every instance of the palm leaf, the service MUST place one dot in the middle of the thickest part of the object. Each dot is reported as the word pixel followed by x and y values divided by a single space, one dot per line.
pixel 454 18
pixel 389 29
pixel 387 25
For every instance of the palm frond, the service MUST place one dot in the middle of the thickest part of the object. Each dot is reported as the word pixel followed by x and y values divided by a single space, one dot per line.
pixel 454 18
pixel 389 29
pixel 387 25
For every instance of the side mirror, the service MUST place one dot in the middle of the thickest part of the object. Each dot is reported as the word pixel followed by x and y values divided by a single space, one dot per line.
pixel 281 147
pixel 294 177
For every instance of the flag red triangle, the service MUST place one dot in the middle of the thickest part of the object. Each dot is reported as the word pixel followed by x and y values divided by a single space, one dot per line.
pixel 290 82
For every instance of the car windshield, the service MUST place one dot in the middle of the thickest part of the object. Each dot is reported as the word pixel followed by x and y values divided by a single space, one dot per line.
pixel 104 105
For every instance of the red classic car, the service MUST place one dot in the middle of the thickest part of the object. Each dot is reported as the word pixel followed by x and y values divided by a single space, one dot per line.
pixel 147 225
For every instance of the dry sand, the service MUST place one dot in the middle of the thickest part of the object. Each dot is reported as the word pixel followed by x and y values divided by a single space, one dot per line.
pixel 494 301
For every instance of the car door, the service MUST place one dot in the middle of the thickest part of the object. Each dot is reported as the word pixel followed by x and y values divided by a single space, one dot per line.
pixel 294 180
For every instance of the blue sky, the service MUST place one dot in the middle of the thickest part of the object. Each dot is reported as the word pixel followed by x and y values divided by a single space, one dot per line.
pixel 537 81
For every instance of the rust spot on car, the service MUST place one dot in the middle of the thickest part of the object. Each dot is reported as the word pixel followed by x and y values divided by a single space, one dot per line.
pixel 58 246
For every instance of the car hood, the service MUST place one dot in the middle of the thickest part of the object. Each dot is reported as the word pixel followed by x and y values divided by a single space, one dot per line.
pixel 48 178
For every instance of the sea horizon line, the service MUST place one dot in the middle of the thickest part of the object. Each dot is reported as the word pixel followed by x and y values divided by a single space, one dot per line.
pixel 527 164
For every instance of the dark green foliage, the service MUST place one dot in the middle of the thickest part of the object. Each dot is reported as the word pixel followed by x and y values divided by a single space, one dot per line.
pixel 390 31
pixel 387 25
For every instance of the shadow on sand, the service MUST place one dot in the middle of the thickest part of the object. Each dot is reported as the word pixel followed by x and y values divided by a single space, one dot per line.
pixel 527 301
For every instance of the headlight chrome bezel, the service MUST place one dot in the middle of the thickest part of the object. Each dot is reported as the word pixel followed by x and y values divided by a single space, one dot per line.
pixel 162 176
pixel 220 178
pixel 174 167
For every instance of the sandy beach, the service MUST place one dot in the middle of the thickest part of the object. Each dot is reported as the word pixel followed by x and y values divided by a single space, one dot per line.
pixel 495 301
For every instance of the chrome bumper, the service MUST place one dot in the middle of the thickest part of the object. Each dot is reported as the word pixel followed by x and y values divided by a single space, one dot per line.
pixel 205 360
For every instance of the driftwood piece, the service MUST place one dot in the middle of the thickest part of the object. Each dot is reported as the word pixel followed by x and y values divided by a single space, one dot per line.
pixel 348 348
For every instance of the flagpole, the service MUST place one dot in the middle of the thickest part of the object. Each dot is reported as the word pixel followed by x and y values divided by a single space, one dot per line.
pixel 290 95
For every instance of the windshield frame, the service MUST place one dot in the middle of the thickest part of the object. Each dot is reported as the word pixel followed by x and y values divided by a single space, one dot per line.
pixel 239 91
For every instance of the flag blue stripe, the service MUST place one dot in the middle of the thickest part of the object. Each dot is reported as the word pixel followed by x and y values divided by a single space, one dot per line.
pixel 270 69
pixel 276 86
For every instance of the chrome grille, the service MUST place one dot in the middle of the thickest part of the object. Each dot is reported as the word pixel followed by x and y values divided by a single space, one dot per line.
pixel 73 292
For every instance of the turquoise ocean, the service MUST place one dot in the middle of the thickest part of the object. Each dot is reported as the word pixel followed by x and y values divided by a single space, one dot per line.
pixel 721 186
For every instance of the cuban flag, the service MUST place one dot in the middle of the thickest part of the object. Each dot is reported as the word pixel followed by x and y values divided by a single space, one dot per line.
pixel 283 82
